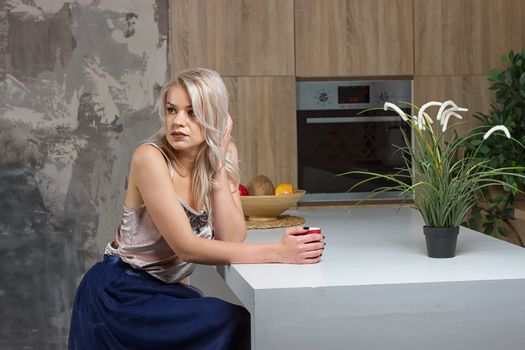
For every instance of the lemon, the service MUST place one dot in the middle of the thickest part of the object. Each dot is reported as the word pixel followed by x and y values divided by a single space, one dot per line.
pixel 284 188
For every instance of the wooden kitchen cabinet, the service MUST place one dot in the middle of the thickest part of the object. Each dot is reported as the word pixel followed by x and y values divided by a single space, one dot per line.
pixel 354 38
pixel 233 37
pixel 471 92
pixel 263 112
pixel 461 37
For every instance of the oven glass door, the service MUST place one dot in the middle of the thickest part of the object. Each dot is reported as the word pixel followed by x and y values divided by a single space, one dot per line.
pixel 330 144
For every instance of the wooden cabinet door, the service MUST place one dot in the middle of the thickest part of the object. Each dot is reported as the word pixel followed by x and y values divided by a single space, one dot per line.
pixel 233 37
pixel 462 37
pixel 470 92
pixel 263 112
pixel 354 37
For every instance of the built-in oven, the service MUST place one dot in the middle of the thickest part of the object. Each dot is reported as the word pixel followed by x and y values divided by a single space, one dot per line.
pixel 341 127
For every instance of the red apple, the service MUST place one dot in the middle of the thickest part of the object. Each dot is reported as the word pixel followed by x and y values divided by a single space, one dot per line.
pixel 243 191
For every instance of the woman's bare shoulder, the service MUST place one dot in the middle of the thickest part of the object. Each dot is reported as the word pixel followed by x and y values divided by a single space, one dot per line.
pixel 146 161
pixel 146 154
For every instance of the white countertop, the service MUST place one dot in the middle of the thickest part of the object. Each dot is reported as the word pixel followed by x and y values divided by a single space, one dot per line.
pixel 373 246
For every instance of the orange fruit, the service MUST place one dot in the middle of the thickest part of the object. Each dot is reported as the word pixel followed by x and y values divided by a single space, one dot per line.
pixel 284 188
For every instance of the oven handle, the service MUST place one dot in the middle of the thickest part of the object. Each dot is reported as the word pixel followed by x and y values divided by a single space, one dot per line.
pixel 331 120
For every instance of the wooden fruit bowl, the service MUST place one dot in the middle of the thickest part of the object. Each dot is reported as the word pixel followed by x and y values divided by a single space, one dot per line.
pixel 268 208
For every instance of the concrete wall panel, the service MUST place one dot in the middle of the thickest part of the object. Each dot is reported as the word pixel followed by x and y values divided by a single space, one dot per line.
pixel 78 82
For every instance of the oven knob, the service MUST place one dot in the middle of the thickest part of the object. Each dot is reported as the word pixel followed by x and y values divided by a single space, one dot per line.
pixel 384 96
pixel 323 97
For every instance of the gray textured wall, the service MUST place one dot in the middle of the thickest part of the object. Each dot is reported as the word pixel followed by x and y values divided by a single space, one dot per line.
pixel 77 87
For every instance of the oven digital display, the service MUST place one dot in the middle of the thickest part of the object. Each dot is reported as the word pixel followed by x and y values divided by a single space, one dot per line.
pixel 353 94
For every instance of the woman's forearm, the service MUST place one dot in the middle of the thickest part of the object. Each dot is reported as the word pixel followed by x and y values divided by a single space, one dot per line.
pixel 295 247
pixel 213 252
pixel 228 219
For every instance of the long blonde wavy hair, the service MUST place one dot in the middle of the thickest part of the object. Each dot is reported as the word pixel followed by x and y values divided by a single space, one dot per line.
pixel 209 100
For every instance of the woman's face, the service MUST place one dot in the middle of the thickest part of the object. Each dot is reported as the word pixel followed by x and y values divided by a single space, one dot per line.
pixel 183 130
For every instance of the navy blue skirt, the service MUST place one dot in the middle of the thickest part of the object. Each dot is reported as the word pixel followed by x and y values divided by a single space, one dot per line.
pixel 118 307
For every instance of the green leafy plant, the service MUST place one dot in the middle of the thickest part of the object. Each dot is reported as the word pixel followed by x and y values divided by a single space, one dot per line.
pixel 445 181
pixel 494 214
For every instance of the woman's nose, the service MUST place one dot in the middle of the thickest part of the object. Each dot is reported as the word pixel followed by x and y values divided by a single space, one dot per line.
pixel 180 118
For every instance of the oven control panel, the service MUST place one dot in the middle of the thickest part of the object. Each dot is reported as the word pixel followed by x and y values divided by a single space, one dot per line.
pixel 352 94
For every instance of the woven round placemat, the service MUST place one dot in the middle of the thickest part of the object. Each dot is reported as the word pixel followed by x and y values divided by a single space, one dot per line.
pixel 281 221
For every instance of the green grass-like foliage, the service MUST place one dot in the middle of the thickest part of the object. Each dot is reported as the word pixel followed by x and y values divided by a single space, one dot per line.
pixel 445 182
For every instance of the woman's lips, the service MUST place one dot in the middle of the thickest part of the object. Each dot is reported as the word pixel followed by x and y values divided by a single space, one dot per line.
pixel 178 135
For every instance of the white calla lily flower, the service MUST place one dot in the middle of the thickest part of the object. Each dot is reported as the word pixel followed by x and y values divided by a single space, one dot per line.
pixel 443 107
pixel 446 116
pixel 497 128
pixel 419 121
pixel 419 125
pixel 428 118
pixel 422 113
pixel 396 109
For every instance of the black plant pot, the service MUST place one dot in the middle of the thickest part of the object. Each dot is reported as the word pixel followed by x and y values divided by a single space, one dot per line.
pixel 441 242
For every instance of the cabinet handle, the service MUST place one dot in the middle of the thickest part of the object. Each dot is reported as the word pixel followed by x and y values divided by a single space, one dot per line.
pixel 331 120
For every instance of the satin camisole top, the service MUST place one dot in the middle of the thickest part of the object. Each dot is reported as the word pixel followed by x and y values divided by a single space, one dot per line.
pixel 139 243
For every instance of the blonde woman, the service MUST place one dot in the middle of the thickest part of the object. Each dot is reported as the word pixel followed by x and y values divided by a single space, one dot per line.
pixel 182 207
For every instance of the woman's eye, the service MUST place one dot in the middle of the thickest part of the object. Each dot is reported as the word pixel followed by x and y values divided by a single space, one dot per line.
pixel 190 112
pixel 170 110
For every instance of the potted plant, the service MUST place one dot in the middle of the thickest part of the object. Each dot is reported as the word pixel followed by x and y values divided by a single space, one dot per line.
pixel 445 181
pixel 508 108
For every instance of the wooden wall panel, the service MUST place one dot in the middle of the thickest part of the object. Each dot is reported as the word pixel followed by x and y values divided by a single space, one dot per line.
pixel 354 37
pixel 263 111
pixel 471 92
pixel 233 37
pixel 465 37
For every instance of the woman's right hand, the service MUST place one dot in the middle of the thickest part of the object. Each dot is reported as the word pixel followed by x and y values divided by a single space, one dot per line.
pixel 299 247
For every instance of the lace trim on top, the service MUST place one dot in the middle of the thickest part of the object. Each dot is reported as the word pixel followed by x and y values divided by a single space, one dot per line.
pixel 197 221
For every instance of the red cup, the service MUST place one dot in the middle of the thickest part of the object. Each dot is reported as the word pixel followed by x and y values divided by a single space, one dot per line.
pixel 314 230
